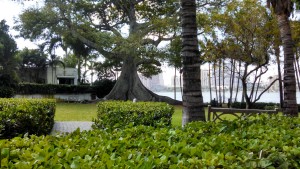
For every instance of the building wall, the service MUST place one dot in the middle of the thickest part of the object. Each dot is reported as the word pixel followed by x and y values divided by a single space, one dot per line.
pixel 154 83
pixel 56 72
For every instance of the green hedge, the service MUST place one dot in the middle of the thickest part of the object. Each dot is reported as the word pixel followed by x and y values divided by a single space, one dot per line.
pixel 261 143
pixel 118 114
pixel 6 92
pixel 103 87
pixel 20 116
pixel 33 88
pixel 258 105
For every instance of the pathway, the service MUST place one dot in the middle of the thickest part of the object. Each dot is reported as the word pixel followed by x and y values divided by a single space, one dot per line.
pixel 70 126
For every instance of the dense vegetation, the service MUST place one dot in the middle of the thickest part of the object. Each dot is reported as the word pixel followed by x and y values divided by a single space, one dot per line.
pixel 266 142
pixel 20 116
pixel 119 114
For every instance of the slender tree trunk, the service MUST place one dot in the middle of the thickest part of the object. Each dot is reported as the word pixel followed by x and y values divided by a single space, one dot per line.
pixel 209 82
pixel 220 96
pixel 290 106
pixel 175 83
pixel 193 107
pixel 277 54
pixel 238 82
pixel 223 79
pixel 232 74
pixel 244 83
pixel 79 70
pixel 215 78
pixel 296 74
pixel 297 69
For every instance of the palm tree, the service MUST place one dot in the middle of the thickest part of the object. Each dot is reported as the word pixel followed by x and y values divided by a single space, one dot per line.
pixel 283 9
pixel 192 95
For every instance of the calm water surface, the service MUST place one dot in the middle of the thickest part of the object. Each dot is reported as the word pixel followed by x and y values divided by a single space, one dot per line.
pixel 266 97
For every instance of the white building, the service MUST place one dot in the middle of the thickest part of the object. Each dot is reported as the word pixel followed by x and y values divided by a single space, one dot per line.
pixel 155 83
pixel 57 75
pixel 60 75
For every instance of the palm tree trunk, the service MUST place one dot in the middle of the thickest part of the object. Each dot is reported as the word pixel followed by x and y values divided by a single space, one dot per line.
pixel 193 107
pixel 290 106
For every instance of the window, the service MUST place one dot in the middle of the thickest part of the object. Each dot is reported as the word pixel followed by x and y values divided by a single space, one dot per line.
pixel 69 81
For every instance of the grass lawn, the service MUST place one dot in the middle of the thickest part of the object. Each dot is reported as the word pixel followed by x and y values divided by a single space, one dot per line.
pixel 75 112
pixel 86 112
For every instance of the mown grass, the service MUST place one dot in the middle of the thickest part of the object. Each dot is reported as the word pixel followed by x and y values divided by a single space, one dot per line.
pixel 75 112
pixel 86 112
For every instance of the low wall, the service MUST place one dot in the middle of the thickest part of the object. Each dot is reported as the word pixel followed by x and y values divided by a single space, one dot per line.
pixel 64 97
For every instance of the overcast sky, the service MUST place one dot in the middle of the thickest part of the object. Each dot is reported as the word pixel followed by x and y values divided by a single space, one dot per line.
pixel 9 10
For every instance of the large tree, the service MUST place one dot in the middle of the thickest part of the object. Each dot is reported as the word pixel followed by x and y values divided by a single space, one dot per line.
pixel 193 108
pixel 118 29
pixel 248 42
pixel 32 64
pixel 8 61
pixel 283 10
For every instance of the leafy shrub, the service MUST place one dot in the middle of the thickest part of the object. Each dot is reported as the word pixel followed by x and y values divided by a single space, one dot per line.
pixel 7 80
pixel 103 87
pixel 119 114
pixel 20 116
pixel 261 143
pixel 33 88
pixel 6 92
pixel 259 105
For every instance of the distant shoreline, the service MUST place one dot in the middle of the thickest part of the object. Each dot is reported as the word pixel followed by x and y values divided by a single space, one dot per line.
pixel 268 97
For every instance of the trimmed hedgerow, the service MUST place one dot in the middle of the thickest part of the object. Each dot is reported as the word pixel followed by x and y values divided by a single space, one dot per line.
pixel 258 105
pixel 266 142
pixel 102 87
pixel 20 116
pixel 6 92
pixel 118 114
pixel 33 88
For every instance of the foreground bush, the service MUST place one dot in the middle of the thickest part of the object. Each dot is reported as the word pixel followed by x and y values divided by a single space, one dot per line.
pixel 20 116
pixel 261 143
pixel 119 114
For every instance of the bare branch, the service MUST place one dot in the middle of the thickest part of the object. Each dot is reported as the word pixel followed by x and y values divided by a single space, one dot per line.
pixel 265 90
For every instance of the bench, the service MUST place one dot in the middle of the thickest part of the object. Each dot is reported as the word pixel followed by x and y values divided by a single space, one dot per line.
pixel 216 112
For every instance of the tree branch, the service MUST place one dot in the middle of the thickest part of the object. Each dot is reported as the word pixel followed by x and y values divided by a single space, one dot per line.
pixel 265 90
pixel 148 61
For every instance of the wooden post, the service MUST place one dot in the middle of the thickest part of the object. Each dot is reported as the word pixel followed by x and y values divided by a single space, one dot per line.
pixel 208 112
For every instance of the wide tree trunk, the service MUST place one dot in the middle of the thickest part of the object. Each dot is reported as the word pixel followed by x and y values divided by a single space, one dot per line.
pixel 193 107
pixel 289 82
pixel 129 86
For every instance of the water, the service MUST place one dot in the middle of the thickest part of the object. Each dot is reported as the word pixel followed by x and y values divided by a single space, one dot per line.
pixel 268 97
